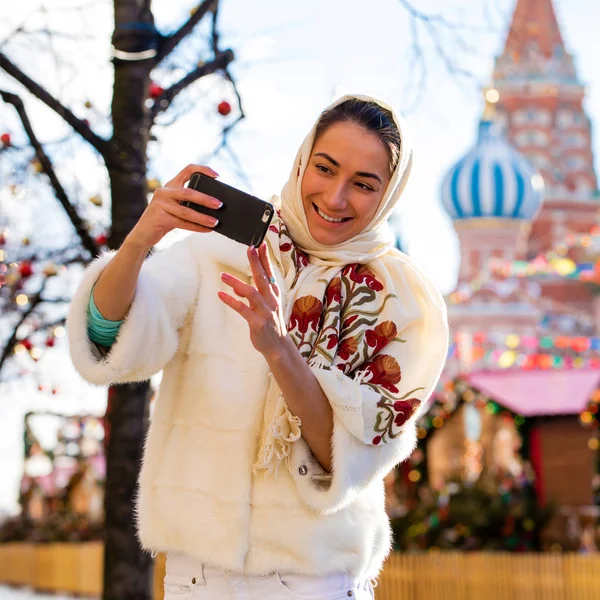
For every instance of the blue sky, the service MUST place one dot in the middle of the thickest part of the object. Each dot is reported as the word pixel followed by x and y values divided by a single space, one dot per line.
pixel 294 58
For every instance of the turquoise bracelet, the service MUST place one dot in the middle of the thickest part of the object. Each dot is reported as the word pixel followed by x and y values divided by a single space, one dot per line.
pixel 100 330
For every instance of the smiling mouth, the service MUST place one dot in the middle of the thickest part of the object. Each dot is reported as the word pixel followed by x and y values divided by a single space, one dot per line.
pixel 330 219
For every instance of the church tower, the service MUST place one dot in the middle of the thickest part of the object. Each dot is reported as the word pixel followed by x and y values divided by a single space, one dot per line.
pixel 540 107
pixel 526 185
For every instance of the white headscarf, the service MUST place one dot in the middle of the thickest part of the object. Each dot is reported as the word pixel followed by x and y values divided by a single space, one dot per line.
pixel 376 238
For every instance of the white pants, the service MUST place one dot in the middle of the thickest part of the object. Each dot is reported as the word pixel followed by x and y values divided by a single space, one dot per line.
pixel 188 579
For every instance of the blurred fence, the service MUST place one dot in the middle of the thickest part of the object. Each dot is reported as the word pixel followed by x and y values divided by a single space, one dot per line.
pixel 77 569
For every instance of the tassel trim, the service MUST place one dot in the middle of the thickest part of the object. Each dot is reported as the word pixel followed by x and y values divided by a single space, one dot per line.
pixel 282 432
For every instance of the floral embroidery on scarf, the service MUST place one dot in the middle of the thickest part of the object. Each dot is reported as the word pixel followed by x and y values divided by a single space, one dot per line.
pixel 299 258
pixel 394 413
pixel 344 331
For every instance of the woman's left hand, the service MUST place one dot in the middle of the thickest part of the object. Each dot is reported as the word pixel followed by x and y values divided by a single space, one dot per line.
pixel 264 312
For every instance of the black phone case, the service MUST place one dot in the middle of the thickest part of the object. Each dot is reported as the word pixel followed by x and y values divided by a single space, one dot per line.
pixel 243 218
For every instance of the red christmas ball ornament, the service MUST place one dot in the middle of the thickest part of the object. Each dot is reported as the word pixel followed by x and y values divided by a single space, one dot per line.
pixel 224 108
pixel 27 345
pixel 50 342
pixel 101 240
pixel 25 269
pixel 5 139
pixel 2 239
pixel 155 90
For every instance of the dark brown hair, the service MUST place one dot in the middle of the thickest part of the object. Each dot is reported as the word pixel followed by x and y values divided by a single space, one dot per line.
pixel 370 116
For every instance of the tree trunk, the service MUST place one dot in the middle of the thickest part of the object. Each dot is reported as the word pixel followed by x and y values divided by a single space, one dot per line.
pixel 127 570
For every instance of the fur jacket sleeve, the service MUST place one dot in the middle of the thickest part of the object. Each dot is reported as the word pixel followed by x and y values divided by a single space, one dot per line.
pixel 148 338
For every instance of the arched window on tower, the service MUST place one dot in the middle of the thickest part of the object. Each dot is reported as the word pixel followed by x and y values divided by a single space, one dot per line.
pixel 564 118
pixel 575 163
pixel 575 140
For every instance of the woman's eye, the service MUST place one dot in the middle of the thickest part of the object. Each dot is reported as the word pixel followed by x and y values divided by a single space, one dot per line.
pixel 364 186
pixel 323 169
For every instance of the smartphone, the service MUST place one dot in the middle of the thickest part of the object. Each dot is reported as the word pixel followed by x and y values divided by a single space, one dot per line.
pixel 243 218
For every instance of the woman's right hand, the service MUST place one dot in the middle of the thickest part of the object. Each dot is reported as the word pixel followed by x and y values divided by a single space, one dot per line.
pixel 164 213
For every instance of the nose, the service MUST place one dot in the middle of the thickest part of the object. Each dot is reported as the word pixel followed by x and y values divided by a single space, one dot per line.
pixel 336 198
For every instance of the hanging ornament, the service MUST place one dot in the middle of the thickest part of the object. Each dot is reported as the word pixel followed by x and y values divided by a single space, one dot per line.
pixel 96 200
pixel 153 185
pixel 12 279
pixel 101 239
pixel 224 108
pixel 27 345
pixel 25 241
pixel 88 104
pixel 50 341
pixel 50 270
pixel 155 90
pixel 25 269
pixel 5 139
pixel 2 239
pixel 37 165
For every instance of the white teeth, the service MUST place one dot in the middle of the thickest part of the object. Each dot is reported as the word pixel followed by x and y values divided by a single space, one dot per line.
pixel 330 219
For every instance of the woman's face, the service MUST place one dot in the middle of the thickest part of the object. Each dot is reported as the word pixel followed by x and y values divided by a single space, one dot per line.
pixel 344 182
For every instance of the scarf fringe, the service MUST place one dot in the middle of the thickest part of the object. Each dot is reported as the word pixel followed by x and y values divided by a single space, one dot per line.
pixel 317 362
pixel 282 432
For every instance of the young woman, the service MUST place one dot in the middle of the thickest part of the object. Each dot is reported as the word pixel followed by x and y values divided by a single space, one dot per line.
pixel 294 373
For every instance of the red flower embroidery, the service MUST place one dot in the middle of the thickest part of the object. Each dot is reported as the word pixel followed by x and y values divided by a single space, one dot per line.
pixel 306 313
pixel 301 259
pixel 362 274
pixel 285 247
pixel 376 440
pixel 334 291
pixel 379 337
pixel 332 341
pixel 273 229
pixel 349 321
pixel 384 371
pixel 347 347
pixel 405 409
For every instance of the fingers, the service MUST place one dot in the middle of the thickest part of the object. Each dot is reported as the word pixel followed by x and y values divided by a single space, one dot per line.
pixel 180 195
pixel 244 290
pixel 261 276
pixel 239 307
pixel 263 254
pixel 185 174
pixel 190 216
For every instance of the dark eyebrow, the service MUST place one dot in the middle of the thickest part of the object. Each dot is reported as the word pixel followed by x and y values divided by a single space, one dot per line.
pixel 335 163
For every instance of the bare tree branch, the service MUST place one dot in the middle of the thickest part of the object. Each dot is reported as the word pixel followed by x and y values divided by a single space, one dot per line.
pixel 221 62
pixel 88 243
pixel 12 342
pixel 39 92
pixel 435 26
pixel 169 43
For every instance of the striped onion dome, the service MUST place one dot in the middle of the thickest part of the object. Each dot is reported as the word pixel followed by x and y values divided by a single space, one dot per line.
pixel 493 180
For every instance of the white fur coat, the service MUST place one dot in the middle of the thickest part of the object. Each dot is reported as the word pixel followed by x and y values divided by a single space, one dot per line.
pixel 198 494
